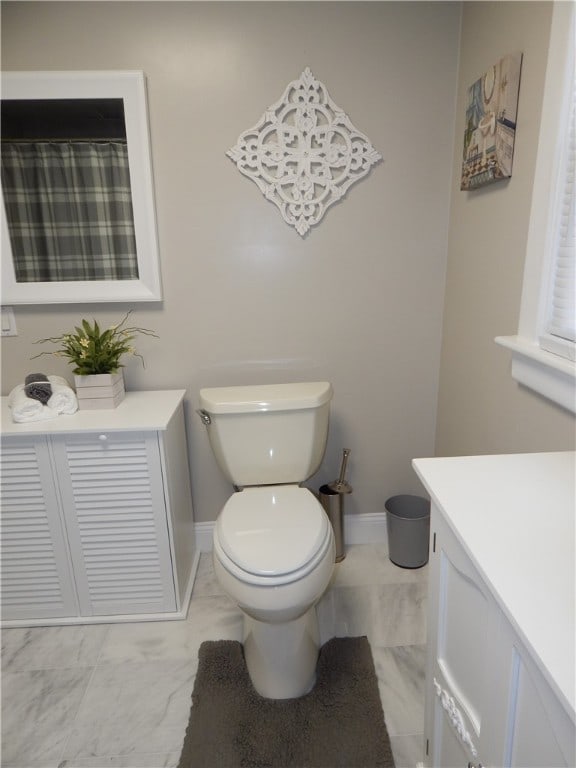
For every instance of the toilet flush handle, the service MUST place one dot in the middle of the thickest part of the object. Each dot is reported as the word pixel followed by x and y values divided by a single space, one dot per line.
pixel 205 416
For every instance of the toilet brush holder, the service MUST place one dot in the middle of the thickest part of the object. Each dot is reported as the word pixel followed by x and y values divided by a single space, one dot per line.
pixel 333 503
pixel 332 499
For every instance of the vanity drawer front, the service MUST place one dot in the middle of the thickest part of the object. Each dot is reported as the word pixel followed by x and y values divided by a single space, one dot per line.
pixel 113 497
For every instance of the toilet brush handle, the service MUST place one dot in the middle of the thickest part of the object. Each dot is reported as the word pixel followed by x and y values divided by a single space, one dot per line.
pixel 345 455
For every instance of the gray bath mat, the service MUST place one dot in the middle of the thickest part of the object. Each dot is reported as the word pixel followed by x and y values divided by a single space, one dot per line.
pixel 339 724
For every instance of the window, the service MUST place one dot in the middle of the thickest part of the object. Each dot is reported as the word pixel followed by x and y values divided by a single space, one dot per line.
pixel 543 352
pixel 560 328
pixel 66 187
pixel 119 215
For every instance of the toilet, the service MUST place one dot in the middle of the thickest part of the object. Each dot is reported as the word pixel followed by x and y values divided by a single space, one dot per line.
pixel 274 546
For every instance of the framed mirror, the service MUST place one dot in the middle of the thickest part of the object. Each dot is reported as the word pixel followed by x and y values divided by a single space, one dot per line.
pixel 78 221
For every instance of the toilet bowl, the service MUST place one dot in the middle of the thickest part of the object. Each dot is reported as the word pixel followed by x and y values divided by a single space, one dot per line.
pixel 273 545
pixel 274 556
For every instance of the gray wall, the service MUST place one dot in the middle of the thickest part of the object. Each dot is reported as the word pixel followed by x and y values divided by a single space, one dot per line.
pixel 360 301
pixel 481 409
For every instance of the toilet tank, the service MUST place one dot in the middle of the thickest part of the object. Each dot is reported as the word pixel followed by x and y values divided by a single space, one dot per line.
pixel 268 434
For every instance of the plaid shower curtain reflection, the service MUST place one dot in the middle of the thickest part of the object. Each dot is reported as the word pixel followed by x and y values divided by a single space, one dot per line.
pixel 69 211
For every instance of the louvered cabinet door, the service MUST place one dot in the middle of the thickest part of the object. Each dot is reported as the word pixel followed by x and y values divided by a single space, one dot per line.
pixel 36 578
pixel 113 499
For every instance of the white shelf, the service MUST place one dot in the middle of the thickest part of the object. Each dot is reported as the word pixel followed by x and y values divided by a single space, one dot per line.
pixel 138 410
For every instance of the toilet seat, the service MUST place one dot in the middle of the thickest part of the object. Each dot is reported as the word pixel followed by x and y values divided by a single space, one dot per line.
pixel 272 535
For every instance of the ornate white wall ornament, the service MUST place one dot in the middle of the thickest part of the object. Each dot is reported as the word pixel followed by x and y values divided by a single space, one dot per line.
pixel 304 153
pixel 455 717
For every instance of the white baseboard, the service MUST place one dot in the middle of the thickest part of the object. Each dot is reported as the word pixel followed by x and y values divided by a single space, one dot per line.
pixel 358 529
pixel 368 528
pixel 204 533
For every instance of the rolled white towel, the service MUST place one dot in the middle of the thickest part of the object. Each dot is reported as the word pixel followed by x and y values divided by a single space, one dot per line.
pixel 26 408
pixel 63 398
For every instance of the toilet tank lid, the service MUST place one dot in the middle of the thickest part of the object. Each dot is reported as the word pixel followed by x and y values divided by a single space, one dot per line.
pixel 265 397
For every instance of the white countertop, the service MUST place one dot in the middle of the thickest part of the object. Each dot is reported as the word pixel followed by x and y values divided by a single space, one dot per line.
pixel 514 516
pixel 138 411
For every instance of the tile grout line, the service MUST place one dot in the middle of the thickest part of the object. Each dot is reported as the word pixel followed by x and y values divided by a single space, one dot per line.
pixel 62 763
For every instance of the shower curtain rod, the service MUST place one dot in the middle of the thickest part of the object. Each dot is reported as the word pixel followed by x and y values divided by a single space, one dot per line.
pixel 67 140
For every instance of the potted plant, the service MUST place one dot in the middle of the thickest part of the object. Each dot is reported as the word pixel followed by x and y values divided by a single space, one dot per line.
pixel 95 354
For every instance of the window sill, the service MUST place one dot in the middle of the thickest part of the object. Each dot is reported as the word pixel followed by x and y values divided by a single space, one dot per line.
pixel 548 374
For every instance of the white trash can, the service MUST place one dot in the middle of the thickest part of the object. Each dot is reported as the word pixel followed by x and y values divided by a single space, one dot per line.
pixel 408 526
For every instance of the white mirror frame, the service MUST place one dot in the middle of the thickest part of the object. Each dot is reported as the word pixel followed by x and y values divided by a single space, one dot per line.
pixel 131 88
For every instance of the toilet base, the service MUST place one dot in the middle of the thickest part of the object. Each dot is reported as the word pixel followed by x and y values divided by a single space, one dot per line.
pixel 281 658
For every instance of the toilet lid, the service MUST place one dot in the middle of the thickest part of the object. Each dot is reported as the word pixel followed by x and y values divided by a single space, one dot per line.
pixel 272 530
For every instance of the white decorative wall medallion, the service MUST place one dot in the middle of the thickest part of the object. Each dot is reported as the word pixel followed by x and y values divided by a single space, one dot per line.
pixel 304 153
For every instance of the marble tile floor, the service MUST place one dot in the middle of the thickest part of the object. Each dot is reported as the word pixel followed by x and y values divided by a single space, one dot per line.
pixel 118 695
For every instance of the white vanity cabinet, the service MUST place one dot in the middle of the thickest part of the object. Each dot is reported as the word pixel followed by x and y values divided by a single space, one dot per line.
pixel 501 642
pixel 96 514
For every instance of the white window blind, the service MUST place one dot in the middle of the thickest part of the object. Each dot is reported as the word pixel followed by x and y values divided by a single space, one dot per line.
pixel 560 327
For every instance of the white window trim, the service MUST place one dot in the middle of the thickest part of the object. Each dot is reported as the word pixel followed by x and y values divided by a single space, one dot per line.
pixel 549 374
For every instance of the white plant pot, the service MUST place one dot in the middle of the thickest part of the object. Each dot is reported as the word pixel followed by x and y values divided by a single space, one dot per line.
pixel 101 390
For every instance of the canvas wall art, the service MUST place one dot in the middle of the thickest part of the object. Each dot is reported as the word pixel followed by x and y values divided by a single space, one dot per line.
pixel 491 124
